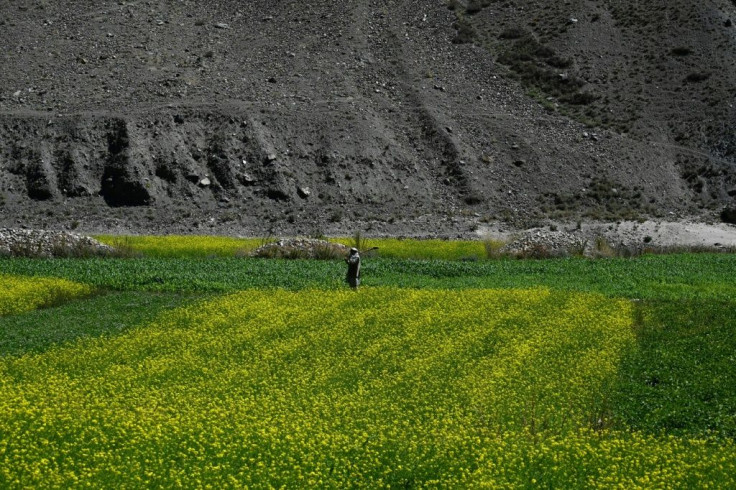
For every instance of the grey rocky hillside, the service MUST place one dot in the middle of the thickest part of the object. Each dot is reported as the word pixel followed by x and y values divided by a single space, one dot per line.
pixel 395 117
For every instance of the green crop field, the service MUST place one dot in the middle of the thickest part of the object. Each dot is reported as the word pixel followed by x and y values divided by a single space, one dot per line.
pixel 178 370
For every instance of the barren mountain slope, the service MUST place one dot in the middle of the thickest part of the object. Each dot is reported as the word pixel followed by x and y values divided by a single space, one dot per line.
pixel 403 116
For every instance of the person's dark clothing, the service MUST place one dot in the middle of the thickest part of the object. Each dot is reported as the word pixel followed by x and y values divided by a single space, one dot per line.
pixel 353 275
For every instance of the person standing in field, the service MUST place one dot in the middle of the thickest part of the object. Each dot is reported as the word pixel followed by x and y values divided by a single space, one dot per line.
pixel 353 275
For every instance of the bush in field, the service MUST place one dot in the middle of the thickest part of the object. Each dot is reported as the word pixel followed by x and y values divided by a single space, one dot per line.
pixel 494 248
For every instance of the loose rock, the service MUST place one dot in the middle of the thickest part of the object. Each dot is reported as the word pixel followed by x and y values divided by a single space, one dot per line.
pixel 302 248
pixel 40 243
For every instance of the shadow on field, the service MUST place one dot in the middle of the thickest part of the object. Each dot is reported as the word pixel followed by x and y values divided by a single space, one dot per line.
pixel 107 314
pixel 680 378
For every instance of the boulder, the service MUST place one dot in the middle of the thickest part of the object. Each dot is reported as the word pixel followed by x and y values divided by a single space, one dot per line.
pixel 304 192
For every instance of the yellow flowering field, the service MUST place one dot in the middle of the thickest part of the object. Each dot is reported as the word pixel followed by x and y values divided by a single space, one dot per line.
pixel 19 294
pixel 383 388
pixel 183 245
pixel 177 246
pixel 410 248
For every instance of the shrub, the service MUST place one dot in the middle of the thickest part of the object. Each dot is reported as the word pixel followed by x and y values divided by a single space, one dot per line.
pixel 493 248
pixel 697 77
pixel 728 215
pixel 681 51
pixel 538 251
pixel 359 241
pixel 513 33
pixel 473 198
pixel 473 7
pixel 336 216
pixel 579 98
pixel 465 32
pixel 558 62
pixel 453 4
pixel 603 249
